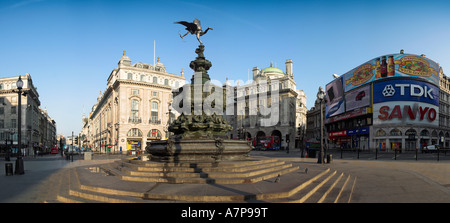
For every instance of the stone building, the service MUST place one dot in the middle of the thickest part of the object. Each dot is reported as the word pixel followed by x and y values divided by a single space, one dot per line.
pixel 134 108
pixel 247 117
pixel 313 123
pixel 38 128
pixel 444 109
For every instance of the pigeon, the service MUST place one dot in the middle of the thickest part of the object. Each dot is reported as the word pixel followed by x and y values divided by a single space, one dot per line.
pixel 278 179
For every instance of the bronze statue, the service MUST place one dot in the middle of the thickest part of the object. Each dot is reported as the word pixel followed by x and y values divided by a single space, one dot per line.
pixel 194 28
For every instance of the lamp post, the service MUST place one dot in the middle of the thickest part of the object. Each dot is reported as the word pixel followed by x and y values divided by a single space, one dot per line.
pixel 321 98
pixel 19 161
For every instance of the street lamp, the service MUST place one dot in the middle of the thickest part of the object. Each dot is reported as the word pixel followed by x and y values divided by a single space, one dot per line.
pixel 19 161
pixel 321 98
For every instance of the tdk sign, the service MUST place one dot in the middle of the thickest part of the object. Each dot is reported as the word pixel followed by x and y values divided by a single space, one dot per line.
pixel 415 90
pixel 405 90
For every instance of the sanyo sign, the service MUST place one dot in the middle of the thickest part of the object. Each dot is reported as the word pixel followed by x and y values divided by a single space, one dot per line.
pixel 405 90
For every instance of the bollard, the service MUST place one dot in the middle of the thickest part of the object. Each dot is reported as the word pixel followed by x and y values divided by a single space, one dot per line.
pixel 329 158
pixel 9 169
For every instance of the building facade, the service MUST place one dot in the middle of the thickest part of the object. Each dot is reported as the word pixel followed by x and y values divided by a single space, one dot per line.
pixel 134 109
pixel 38 128
pixel 313 124
pixel 287 118
pixel 392 102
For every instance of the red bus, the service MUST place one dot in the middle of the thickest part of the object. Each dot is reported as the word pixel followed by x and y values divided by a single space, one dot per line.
pixel 54 150
pixel 267 143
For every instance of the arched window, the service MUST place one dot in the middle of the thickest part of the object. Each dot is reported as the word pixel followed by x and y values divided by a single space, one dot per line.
pixel 142 77
pixel 130 76
pixel 154 134
pixel 155 80
pixel 424 133
pixel 154 112
pixel 395 132
pixel 381 133
pixel 134 132
pixel 166 82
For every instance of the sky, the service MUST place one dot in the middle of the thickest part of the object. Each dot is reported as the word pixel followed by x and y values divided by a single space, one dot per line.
pixel 69 47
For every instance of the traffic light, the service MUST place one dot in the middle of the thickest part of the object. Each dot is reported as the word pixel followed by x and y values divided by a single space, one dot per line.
pixel 76 140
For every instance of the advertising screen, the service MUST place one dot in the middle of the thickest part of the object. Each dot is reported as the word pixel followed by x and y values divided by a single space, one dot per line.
pixel 392 65
pixel 405 90
pixel 405 112
pixel 335 98
pixel 357 98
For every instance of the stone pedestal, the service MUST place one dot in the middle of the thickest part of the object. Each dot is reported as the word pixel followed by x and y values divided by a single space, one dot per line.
pixel 198 150
pixel 198 136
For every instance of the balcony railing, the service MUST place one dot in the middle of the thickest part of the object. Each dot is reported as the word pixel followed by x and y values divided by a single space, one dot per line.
pixel 134 120
pixel 154 121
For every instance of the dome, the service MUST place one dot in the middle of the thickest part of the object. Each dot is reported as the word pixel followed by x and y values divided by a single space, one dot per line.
pixel 272 70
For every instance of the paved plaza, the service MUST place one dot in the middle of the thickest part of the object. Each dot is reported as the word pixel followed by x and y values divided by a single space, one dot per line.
pixel 381 180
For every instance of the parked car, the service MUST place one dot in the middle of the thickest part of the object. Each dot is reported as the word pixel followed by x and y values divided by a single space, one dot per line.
pixel 430 148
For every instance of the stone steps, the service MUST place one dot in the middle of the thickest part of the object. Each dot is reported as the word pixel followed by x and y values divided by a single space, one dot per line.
pixel 221 173
pixel 319 185
pixel 329 187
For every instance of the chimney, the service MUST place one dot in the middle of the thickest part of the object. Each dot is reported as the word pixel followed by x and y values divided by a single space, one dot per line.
pixel 289 67
pixel 255 72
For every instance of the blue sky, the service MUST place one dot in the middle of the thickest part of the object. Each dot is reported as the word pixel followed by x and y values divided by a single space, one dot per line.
pixel 70 47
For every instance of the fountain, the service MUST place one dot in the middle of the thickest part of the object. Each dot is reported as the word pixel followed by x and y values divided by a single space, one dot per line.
pixel 199 133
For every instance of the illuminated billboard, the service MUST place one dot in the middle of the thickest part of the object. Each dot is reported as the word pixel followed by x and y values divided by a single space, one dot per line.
pixel 357 98
pixel 405 112
pixel 335 98
pixel 405 90
pixel 392 65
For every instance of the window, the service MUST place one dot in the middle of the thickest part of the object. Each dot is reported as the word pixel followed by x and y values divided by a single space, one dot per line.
pixel 154 134
pixel 142 77
pixel 381 133
pixel 424 133
pixel 2 100
pixel 134 91
pixel 134 132
pixel 395 132
pixel 177 84
pixel 166 82
pixel 13 123
pixel 155 94
pixel 1 86
pixel 2 110
pixel 134 109
pixel 155 80
pixel 13 109
pixel 130 76
pixel 2 123
pixel 154 112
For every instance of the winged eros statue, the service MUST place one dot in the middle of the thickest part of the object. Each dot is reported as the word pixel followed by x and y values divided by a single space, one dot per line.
pixel 193 28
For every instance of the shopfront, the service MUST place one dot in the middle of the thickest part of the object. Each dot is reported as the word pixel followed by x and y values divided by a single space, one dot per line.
pixel 340 140
pixel 134 141
pixel 360 137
